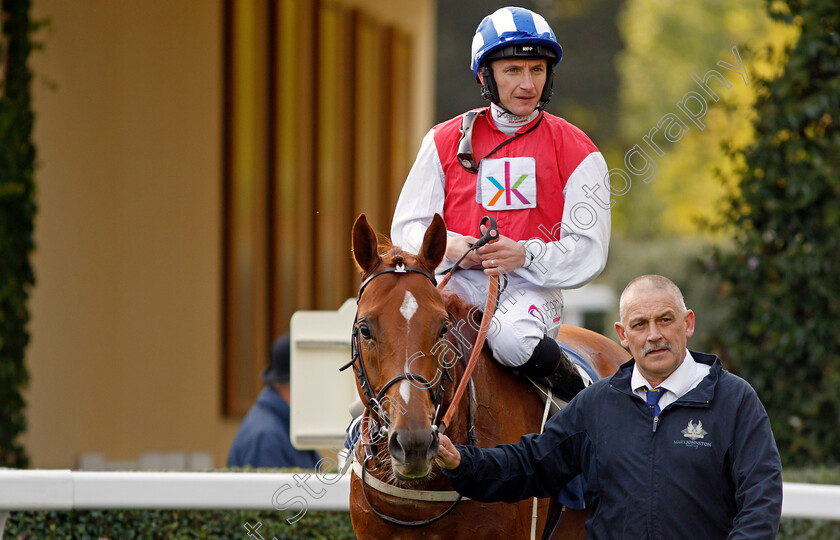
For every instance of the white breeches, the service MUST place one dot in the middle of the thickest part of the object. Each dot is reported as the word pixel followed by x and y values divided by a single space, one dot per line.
pixel 525 314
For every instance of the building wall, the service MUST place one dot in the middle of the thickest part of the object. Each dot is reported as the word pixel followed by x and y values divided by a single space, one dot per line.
pixel 126 325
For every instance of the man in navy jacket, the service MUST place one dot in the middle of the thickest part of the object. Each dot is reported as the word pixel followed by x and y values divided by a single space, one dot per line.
pixel 263 436
pixel 671 446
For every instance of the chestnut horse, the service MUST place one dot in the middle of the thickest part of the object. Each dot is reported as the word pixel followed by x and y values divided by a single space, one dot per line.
pixel 410 344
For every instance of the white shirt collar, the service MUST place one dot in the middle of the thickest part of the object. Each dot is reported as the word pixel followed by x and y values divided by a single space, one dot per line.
pixel 683 379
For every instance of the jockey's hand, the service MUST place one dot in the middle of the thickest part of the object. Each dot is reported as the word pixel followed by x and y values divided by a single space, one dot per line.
pixel 448 457
pixel 502 256
pixel 456 246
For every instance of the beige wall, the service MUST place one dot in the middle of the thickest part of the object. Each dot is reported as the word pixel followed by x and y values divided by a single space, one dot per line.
pixel 126 312
pixel 418 20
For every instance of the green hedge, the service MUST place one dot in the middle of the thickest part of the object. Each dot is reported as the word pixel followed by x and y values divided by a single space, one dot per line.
pixel 175 524
pixel 17 214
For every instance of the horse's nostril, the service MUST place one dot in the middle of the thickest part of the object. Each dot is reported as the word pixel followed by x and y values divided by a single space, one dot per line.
pixel 395 446
pixel 433 447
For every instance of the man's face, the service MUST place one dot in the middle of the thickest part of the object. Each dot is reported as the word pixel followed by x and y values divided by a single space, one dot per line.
pixel 520 82
pixel 655 330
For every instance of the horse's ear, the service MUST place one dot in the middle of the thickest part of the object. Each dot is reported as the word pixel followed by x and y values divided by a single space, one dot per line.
pixel 434 243
pixel 365 247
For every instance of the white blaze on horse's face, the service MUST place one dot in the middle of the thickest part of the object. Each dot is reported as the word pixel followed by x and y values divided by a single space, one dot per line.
pixel 408 309
pixel 405 391
pixel 409 306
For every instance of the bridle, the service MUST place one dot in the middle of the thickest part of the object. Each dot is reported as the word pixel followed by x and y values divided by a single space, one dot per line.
pixel 373 400
pixel 379 428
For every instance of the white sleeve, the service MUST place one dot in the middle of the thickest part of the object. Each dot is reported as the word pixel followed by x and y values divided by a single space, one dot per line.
pixel 578 251
pixel 421 198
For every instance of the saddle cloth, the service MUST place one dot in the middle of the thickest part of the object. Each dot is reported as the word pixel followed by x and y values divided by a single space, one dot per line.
pixel 578 360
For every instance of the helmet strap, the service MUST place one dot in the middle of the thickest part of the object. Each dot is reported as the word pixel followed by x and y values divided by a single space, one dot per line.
pixel 548 89
pixel 489 90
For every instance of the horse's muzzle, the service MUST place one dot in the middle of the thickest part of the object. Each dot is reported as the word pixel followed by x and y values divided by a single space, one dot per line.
pixel 412 452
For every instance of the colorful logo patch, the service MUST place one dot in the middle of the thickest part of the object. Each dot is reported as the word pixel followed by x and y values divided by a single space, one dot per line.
pixel 508 183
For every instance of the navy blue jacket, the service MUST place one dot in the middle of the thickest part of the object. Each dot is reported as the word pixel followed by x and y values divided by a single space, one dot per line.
pixel 263 437
pixel 709 469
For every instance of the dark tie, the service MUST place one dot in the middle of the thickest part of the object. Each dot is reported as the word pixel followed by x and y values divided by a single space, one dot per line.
pixel 653 399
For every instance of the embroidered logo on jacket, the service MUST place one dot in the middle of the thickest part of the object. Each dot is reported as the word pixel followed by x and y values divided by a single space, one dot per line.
pixel 694 432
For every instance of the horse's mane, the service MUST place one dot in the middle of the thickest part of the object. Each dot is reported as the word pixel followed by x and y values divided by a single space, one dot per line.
pixel 384 243
pixel 454 303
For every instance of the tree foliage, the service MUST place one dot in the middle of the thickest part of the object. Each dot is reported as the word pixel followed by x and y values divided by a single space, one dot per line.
pixel 665 42
pixel 17 210
pixel 781 280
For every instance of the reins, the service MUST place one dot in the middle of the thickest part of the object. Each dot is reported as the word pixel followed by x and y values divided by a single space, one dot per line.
pixel 489 309
pixel 491 234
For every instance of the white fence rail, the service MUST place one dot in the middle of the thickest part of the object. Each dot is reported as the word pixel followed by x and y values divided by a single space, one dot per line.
pixel 81 490
pixel 812 501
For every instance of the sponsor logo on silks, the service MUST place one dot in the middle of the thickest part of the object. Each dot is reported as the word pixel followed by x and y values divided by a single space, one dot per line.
pixel 507 189
pixel 535 312
pixel 694 432
pixel 507 183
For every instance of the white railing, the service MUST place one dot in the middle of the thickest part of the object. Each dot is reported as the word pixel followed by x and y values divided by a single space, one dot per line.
pixel 82 490
pixel 811 501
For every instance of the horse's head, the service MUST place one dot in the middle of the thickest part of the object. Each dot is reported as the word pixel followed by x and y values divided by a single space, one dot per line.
pixel 399 329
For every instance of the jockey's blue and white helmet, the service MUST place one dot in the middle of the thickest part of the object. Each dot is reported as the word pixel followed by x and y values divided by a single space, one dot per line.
pixel 510 32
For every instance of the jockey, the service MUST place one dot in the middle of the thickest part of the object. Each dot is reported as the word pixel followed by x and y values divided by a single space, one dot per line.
pixel 539 176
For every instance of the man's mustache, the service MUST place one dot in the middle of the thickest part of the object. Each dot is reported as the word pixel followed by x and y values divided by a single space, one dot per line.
pixel 662 345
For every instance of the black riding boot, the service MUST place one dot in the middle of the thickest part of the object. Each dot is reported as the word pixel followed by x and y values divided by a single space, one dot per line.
pixel 550 365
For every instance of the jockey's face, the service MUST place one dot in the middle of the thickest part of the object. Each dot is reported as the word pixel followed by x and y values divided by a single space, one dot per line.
pixel 520 82
pixel 655 329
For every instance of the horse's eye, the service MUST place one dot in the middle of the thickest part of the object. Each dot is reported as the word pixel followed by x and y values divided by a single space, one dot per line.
pixel 444 329
pixel 365 330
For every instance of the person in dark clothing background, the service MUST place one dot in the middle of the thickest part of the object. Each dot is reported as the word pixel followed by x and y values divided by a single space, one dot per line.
pixel 671 446
pixel 263 436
